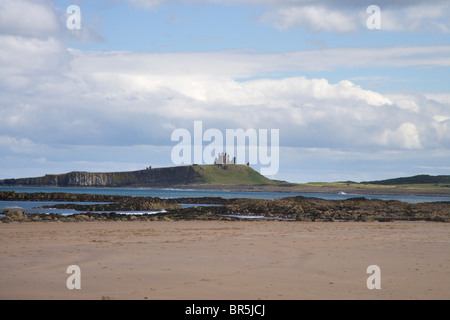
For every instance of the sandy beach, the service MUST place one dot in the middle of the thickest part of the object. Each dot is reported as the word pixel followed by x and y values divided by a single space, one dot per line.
pixel 225 260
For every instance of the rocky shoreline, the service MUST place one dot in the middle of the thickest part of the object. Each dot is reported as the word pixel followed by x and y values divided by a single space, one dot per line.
pixel 290 208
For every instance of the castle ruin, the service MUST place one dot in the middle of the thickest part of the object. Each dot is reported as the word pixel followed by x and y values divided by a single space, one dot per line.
pixel 224 159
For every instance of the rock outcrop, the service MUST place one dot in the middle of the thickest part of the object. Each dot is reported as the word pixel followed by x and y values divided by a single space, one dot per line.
pixel 158 177
pixel 289 208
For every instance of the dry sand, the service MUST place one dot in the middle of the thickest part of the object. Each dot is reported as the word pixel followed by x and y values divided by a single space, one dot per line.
pixel 225 260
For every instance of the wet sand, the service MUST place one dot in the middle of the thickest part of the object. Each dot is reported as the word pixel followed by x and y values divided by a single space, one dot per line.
pixel 225 260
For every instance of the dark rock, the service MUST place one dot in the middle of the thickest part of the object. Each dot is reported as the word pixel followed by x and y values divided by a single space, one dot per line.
pixel 292 208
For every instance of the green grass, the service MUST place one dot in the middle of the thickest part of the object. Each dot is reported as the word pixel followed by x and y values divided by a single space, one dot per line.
pixel 422 179
pixel 345 185
pixel 232 174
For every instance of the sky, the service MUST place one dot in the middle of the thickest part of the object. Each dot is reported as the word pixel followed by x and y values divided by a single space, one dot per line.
pixel 355 94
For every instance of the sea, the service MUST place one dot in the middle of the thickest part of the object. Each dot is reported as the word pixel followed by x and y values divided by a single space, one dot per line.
pixel 36 206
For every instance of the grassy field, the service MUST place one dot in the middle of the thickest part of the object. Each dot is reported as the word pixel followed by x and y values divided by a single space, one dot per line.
pixel 424 189
pixel 345 185
pixel 232 174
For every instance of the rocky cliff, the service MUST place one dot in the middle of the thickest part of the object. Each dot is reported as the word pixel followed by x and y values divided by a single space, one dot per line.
pixel 142 178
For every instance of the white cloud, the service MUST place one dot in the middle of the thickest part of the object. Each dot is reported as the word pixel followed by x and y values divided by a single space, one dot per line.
pixel 41 19
pixel 27 61
pixel 28 18
pixel 339 16
pixel 8 142
pixel 405 102
pixel 441 98
pixel 441 128
pixel 417 17
pixel 242 64
pixel 441 118
pixel 113 97
pixel 405 136
pixel 315 18
pixel 350 16
pixel 146 3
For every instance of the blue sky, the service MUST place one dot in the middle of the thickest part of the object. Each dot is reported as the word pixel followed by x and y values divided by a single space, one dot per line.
pixel 350 103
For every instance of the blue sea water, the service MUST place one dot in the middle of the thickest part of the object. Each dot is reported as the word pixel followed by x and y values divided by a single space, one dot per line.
pixel 186 193
pixel 33 206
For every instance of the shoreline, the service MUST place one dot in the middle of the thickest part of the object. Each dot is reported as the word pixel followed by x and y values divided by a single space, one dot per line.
pixel 397 191
pixel 297 208
pixel 226 260
pixel 387 191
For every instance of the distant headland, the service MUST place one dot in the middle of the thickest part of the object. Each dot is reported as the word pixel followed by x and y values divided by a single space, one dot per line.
pixel 231 176
pixel 218 174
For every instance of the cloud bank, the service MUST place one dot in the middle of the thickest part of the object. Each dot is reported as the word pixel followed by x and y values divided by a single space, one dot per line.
pixel 58 103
